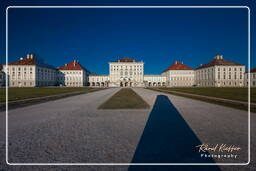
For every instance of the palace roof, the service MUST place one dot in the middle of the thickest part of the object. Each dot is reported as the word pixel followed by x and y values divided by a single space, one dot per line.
pixel 74 65
pixel 126 60
pixel 178 66
pixel 24 61
pixel 218 60
pixel 31 60
pixel 252 70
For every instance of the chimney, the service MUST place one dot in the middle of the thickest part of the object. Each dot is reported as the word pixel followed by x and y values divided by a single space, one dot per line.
pixel 175 62
pixel 31 56
pixel 28 55
pixel 218 57
pixel 66 64
pixel 21 58
pixel 182 62
pixel 201 64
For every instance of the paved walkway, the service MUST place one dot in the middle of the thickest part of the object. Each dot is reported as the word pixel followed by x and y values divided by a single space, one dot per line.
pixel 74 130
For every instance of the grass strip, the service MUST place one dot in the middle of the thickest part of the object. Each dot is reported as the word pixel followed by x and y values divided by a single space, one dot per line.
pixel 240 94
pixel 125 98
pixel 232 105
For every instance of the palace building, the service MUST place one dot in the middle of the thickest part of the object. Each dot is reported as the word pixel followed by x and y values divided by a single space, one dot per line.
pixel 179 75
pixel 73 74
pixel 220 73
pixel 125 72
pixel 30 72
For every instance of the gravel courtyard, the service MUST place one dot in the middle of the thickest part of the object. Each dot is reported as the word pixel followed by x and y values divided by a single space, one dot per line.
pixel 73 130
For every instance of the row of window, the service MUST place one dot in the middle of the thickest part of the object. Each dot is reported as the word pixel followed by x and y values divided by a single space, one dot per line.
pixel 46 71
pixel 253 83
pixel 182 72
pixel 19 68
pixel 130 73
pixel 21 84
pixel 71 78
pixel 22 78
pixel 181 78
pixel 253 75
pixel 125 66
pixel 225 83
pixel 230 69
pixel 224 76
pixel 220 69
pixel 138 69
pixel 72 72
pixel 229 76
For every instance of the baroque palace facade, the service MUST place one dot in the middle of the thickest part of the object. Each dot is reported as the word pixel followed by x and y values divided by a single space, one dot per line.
pixel 125 72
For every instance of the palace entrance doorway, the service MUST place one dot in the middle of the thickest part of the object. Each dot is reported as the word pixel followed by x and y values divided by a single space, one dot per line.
pixel 126 84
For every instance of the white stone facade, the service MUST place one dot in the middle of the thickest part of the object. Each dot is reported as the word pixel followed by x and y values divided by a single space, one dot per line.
pixel 28 72
pixel 154 80
pixel 99 80
pixel 126 72
pixel 72 78
pixel 252 75
pixel 220 73
pixel 180 78
pixel 73 75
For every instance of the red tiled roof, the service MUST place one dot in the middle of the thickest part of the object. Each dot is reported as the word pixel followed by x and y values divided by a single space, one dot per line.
pixel 178 66
pixel 24 61
pixel 126 60
pixel 218 62
pixel 31 61
pixel 74 65
pixel 252 70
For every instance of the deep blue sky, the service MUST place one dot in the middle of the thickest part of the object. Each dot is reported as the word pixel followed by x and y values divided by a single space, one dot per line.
pixel 156 36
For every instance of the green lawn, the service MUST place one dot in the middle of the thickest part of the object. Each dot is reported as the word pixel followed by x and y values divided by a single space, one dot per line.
pixel 125 98
pixel 240 94
pixel 26 93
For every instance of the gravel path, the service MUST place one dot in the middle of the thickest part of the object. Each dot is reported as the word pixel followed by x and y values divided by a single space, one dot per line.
pixel 74 130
